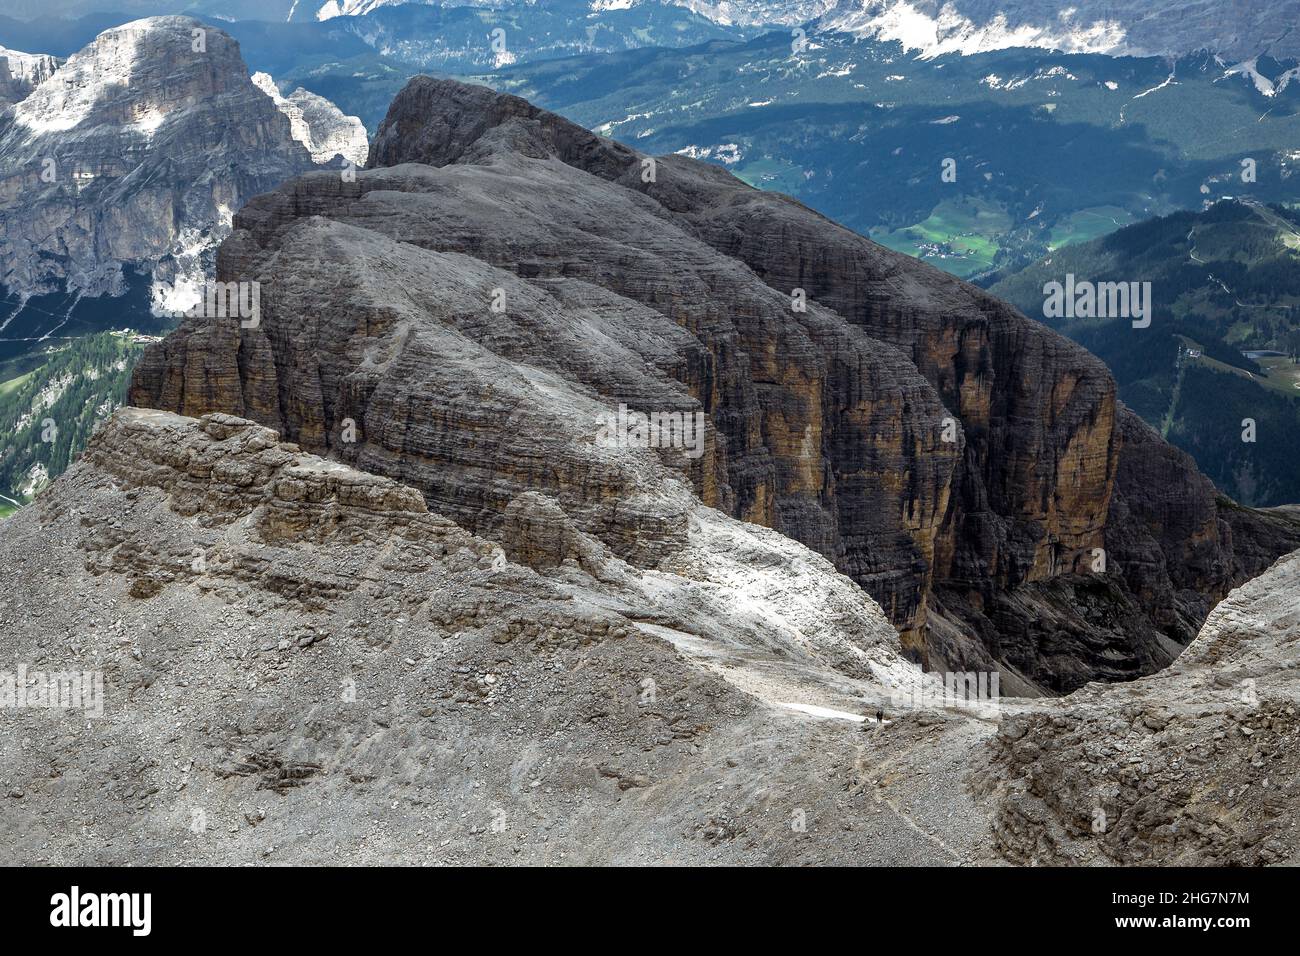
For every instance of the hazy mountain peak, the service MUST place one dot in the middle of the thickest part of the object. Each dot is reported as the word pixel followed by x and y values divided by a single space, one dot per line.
pixel 20 73
pixel 758 12
pixel 317 123
pixel 919 26
pixel 138 150
pixel 726 12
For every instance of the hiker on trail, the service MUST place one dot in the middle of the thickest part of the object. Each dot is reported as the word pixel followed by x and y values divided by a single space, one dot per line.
pixel 880 717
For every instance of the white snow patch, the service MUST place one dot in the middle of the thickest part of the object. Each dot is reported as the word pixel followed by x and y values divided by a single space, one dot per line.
pixel 845 70
pixel 995 82
pixel 1169 81
pixel 728 153
pixel 815 711
pixel 951 32
pixel 1263 84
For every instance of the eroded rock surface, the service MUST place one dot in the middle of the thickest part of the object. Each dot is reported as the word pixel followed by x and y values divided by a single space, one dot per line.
pixel 1196 765
pixel 317 123
pixel 502 280
pixel 307 661
pixel 301 663
pixel 20 73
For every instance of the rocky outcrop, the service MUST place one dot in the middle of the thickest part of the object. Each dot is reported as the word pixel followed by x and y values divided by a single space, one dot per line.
pixel 221 472
pixel 136 153
pixel 808 426
pixel 1194 766
pixel 501 281
pixel 318 124
pixel 20 73
pixel 276 621
pixel 328 634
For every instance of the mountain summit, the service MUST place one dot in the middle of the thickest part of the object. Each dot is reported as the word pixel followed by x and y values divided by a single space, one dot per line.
pixel 136 152
pixel 450 317
pixel 131 153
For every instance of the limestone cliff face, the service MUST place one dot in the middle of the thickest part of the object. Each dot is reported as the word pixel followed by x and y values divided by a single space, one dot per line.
pixel 464 313
pixel 317 123
pixel 134 152
pixel 1038 412
pixel 377 308
pixel 20 73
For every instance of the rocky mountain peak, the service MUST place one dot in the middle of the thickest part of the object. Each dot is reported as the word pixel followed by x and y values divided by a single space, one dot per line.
pixel 135 75
pixel 439 122
pixel 20 73
pixel 318 124
pixel 465 314
pixel 641 486
pixel 135 154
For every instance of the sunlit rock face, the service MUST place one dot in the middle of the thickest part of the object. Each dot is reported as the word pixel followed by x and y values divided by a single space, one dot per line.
pixel 20 73
pixel 318 124
pixel 135 152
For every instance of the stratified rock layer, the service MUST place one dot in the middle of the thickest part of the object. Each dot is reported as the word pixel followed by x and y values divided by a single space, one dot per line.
pixel 464 315
pixel 275 621
pixel 317 123
pixel 20 73
pixel 333 673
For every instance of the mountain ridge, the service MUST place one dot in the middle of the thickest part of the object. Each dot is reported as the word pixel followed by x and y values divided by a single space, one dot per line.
pixel 1002 543
pixel 86 148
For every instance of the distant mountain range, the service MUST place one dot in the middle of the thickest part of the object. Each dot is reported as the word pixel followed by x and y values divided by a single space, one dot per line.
pixel 1238 29
pixel 978 163
pixel 379 49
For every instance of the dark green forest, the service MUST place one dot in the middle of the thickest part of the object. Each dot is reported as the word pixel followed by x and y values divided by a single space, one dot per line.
pixel 89 378
pixel 1224 281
